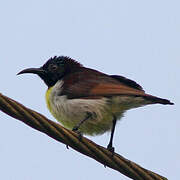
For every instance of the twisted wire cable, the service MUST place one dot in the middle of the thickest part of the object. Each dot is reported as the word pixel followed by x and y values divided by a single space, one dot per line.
pixel 71 139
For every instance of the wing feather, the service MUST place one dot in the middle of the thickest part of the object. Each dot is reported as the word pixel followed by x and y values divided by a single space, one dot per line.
pixel 89 83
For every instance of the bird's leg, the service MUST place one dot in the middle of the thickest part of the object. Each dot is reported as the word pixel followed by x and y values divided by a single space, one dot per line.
pixel 75 128
pixel 110 147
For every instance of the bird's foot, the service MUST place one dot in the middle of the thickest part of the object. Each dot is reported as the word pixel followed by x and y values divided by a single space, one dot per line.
pixel 111 148
pixel 75 129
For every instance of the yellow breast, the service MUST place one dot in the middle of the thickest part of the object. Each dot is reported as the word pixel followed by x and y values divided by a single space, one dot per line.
pixel 48 92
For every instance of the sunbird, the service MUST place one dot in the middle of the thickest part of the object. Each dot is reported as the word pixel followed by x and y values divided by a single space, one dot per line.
pixel 86 100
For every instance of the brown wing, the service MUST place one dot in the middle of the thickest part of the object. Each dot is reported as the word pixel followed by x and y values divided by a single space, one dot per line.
pixel 110 89
pixel 89 82
pixel 127 82
pixel 92 84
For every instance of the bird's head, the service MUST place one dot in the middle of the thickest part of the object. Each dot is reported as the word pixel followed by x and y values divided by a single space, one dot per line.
pixel 54 69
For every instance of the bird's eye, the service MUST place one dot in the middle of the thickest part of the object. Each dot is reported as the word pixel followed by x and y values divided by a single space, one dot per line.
pixel 53 67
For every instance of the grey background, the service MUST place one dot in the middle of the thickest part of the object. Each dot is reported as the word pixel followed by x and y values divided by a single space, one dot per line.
pixel 137 39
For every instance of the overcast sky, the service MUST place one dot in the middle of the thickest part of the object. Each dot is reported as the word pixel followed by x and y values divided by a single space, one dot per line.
pixel 137 39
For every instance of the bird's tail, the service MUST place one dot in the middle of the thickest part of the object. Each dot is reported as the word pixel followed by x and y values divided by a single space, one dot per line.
pixel 157 100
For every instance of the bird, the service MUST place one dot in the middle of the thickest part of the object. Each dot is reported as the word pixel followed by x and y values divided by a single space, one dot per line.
pixel 86 100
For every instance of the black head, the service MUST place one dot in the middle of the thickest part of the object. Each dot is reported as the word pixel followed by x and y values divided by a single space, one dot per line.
pixel 54 69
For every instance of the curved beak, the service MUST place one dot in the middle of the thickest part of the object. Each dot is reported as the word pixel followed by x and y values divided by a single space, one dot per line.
pixel 37 71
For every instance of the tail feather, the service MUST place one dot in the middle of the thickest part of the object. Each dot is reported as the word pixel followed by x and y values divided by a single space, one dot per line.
pixel 155 100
